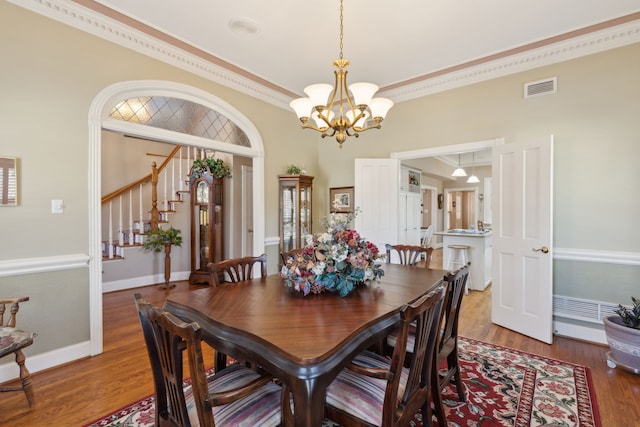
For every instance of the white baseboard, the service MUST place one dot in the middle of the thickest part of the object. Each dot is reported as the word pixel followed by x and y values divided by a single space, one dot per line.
pixel 136 282
pixel 40 362
pixel 584 333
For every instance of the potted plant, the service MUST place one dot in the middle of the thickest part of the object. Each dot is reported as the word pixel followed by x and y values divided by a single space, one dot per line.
pixel 293 170
pixel 217 167
pixel 159 240
pixel 623 335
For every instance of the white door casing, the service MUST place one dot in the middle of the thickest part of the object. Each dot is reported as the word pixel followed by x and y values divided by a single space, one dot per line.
pixel 247 211
pixel 376 193
pixel 522 291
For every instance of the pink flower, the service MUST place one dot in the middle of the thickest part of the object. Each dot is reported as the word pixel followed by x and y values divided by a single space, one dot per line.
pixel 550 410
pixel 559 388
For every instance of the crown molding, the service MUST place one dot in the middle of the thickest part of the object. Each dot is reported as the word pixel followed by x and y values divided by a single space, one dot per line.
pixel 92 22
pixel 588 44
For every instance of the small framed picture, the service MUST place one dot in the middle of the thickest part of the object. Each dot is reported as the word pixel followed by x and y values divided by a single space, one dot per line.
pixel 341 199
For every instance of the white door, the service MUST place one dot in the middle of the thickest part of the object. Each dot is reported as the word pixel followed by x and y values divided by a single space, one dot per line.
pixel 521 296
pixel 414 218
pixel 402 219
pixel 376 192
pixel 247 211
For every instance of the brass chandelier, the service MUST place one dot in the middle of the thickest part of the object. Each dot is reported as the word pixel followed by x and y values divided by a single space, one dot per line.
pixel 350 116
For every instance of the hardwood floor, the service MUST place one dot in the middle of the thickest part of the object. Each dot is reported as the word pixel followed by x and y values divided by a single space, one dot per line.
pixel 82 391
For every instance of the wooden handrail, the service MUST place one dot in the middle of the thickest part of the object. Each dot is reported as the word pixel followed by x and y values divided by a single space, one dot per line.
pixel 143 180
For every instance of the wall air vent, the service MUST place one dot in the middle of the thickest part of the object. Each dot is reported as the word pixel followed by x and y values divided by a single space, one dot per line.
pixel 541 87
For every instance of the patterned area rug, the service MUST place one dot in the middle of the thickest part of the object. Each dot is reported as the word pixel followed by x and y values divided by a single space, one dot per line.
pixel 505 387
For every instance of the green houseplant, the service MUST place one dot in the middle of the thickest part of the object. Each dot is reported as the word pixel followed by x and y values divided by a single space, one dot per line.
pixel 159 240
pixel 293 170
pixel 623 336
pixel 217 167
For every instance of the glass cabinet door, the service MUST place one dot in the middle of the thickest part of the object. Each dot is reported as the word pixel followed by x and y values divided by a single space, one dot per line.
pixel 295 211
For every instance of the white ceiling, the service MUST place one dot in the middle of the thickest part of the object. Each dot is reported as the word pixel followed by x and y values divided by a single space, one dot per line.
pixel 388 43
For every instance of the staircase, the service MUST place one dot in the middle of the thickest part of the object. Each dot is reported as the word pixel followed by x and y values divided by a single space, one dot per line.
pixel 129 212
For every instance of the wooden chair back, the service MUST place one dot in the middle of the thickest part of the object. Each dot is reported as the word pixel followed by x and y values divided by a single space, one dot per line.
pixel 409 254
pixel 422 318
pixel 448 346
pixel 362 375
pixel 292 254
pixel 166 338
pixel 236 269
pixel 456 283
pixel 13 341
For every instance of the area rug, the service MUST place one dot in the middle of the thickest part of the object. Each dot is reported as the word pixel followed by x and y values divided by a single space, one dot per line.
pixel 505 387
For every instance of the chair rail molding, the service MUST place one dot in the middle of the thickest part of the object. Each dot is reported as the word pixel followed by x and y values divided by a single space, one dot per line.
pixel 14 267
pixel 597 256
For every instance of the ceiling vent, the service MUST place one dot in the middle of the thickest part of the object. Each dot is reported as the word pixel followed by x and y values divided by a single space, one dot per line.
pixel 541 87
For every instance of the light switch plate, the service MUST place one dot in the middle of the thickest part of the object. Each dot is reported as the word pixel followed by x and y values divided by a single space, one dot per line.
pixel 57 206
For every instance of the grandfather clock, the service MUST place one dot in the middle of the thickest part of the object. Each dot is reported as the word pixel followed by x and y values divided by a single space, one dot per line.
pixel 206 224
pixel 295 210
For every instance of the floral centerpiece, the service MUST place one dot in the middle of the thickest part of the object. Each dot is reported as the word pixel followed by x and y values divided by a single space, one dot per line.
pixel 337 260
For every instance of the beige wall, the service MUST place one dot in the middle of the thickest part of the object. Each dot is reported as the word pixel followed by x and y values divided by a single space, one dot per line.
pixel 594 117
pixel 51 73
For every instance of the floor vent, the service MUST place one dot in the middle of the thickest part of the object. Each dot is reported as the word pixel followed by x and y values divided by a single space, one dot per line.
pixel 541 87
pixel 582 309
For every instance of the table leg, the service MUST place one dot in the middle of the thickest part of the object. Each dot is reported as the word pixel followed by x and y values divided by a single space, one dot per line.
pixel 308 402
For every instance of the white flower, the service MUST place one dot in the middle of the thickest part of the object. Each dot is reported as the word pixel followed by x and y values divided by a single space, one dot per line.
pixel 309 239
pixel 319 268
pixel 368 274
pixel 325 237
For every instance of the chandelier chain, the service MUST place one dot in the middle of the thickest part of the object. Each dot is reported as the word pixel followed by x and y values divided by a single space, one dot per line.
pixel 341 29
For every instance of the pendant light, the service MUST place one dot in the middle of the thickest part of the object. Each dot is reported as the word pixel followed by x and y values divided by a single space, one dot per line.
pixel 473 179
pixel 459 171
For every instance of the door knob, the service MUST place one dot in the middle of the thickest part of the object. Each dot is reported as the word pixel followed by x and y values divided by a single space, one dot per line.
pixel 543 249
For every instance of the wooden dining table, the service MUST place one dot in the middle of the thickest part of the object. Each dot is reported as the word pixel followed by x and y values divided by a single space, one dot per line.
pixel 305 341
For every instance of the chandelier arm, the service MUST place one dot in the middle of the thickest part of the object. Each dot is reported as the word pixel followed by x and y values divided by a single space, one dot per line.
pixel 377 125
pixel 314 127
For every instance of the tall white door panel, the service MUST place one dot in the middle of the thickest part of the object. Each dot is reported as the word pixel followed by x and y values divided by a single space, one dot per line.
pixel 376 193
pixel 521 296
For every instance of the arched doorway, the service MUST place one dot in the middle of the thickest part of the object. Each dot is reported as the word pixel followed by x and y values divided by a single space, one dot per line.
pixel 99 119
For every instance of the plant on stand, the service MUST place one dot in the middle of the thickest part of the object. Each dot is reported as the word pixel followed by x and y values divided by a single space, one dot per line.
pixel 161 240
pixel 623 336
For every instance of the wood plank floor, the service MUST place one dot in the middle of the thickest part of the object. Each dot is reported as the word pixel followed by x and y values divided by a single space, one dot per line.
pixel 82 391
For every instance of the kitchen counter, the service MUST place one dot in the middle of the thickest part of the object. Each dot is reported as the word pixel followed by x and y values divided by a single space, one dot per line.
pixel 479 253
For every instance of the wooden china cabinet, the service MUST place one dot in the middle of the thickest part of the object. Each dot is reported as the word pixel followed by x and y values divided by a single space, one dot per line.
pixel 295 210
pixel 206 194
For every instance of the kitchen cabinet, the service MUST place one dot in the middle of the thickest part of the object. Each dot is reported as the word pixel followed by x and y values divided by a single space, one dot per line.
pixel 409 218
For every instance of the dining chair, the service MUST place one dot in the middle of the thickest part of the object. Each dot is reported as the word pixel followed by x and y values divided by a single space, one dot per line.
pixel 235 395
pixel 12 341
pixel 236 269
pixel 292 254
pixel 448 345
pixel 409 254
pixel 375 390
pixel 447 349
pixel 232 271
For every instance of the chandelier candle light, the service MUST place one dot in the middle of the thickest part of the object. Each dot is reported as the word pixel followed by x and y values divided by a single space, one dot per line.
pixel 350 116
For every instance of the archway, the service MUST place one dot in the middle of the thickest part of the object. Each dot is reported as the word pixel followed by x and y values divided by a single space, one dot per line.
pixel 99 119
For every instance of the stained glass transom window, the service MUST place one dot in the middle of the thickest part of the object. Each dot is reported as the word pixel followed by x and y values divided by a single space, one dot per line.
pixel 180 115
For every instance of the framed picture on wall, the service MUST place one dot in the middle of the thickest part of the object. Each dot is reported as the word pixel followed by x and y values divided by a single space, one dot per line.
pixel 341 199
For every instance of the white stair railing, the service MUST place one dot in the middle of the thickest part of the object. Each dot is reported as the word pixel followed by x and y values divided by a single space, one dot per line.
pixel 127 204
